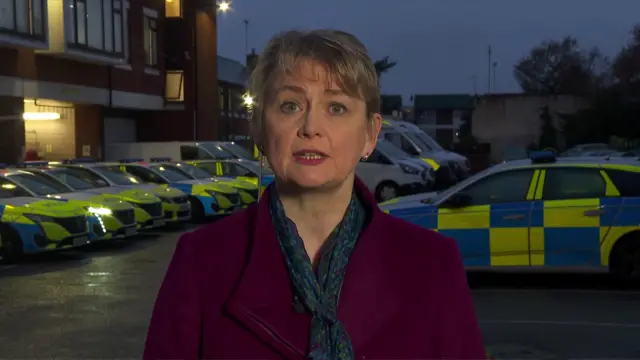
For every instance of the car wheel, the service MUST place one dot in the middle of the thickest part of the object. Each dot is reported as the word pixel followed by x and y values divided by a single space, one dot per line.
pixel 624 261
pixel 387 191
pixel 11 250
pixel 197 211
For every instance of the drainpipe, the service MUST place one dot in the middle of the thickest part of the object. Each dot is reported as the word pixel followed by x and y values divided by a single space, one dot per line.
pixel 194 56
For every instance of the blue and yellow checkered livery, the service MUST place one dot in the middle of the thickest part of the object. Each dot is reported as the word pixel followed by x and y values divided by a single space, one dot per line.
pixel 579 232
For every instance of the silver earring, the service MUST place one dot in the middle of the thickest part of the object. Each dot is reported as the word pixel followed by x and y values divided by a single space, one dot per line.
pixel 364 158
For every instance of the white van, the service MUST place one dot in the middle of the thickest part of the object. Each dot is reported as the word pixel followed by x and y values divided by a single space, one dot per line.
pixel 177 150
pixel 414 141
pixel 389 173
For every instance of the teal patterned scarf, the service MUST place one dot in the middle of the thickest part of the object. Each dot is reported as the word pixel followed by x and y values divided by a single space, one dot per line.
pixel 319 292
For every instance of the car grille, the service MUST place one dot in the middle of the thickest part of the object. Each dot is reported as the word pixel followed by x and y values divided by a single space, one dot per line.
pixel 155 209
pixel 180 199
pixel 254 193
pixel 126 217
pixel 233 198
pixel 74 225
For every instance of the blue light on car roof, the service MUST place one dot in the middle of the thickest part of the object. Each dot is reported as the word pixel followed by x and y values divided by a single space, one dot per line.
pixel 543 157
pixel 132 160
pixel 160 159
pixel 82 160
pixel 27 164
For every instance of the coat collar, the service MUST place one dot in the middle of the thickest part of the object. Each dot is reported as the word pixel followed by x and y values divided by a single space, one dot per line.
pixel 262 300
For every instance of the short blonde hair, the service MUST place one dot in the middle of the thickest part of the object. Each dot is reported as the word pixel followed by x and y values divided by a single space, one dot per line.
pixel 346 59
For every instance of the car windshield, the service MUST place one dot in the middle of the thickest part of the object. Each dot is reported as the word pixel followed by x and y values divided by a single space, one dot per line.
pixel 390 150
pixel 73 181
pixel 461 185
pixel 4 194
pixel 170 172
pixel 191 171
pixel 39 184
pixel 114 174
pixel 239 151
pixel 217 151
pixel 254 167
pixel 422 139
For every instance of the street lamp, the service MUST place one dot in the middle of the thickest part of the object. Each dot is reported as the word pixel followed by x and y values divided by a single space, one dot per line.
pixel 224 6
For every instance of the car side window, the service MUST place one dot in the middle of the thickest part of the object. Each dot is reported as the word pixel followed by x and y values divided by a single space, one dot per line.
pixel 627 182
pixel 87 175
pixel 573 183
pixel 190 152
pixel 377 157
pixel 144 174
pixel 504 187
pixel 9 189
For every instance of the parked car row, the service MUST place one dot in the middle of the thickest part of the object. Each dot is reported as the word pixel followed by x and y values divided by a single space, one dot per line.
pixel 58 205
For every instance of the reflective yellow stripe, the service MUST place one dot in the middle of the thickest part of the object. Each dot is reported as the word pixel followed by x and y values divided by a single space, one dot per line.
pixel 385 122
pixel 611 189
pixel 432 163
pixel 540 185
pixel 533 184
pixel 470 217
pixel 256 152
pixel 219 169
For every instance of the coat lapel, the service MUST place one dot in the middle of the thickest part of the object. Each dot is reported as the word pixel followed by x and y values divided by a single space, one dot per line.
pixel 262 301
pixel 368 300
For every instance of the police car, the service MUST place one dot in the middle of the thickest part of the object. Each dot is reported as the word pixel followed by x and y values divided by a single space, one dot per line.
pixel 541 212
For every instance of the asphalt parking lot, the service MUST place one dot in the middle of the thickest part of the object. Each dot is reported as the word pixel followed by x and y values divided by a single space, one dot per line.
pixel 96 304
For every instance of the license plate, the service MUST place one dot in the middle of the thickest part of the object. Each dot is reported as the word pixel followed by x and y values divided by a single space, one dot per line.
pixel 79 241
pixel 130 231
pixel 158 222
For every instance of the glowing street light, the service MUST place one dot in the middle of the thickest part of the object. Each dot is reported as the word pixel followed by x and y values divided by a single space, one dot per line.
pixel 224 6
pixel 248 100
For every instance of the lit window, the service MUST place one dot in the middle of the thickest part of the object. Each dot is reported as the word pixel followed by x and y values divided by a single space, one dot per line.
pixel 174 86
pixel 173 8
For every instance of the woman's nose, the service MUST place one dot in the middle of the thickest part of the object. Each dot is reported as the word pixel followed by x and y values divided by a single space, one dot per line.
pixel 312 123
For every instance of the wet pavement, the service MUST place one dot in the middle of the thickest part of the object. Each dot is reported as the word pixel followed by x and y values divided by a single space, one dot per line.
pixel 96 304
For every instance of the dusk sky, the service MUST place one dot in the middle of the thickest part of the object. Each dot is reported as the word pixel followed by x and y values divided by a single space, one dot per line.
pixel 440 45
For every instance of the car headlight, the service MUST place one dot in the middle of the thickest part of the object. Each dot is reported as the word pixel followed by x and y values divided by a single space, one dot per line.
pixel 409 170
pixel 38 218
pixel 99 211
pixel 212 193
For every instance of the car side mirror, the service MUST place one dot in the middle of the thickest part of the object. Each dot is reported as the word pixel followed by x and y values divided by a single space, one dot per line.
pixel 457 201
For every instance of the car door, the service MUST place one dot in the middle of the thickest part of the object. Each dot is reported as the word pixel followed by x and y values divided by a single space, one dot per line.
pixel 573 216
pixel 492 229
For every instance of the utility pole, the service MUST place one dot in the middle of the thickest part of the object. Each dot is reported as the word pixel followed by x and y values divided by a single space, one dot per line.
pixel 474 78
pixel 490 64
pixel 246 37
pixel 494 84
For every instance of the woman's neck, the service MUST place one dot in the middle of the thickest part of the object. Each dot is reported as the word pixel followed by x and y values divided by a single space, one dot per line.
pixel 316 214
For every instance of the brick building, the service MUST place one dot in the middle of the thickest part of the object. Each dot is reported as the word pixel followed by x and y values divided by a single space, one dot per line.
pixel 76 74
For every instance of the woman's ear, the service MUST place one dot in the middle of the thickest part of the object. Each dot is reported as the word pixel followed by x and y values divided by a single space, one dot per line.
pixel 373 130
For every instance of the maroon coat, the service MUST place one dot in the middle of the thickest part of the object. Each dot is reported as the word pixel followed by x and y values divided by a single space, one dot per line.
pixel 227 295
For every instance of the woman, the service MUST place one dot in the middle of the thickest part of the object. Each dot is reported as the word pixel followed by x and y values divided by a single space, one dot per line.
pixel 314 269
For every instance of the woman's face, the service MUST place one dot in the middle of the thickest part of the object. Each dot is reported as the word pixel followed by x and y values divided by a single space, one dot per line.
pixel 315 134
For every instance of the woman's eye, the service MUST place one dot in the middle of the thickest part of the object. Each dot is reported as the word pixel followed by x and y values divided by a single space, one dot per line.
pixel 337 109
pixel 289 107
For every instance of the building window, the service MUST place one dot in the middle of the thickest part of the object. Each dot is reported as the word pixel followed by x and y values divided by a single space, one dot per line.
pixel 151 40
pixel 23 17
pixel 98 25
pixel 173 8
pixel 174 86
pixel 221 97
pixel 444 117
